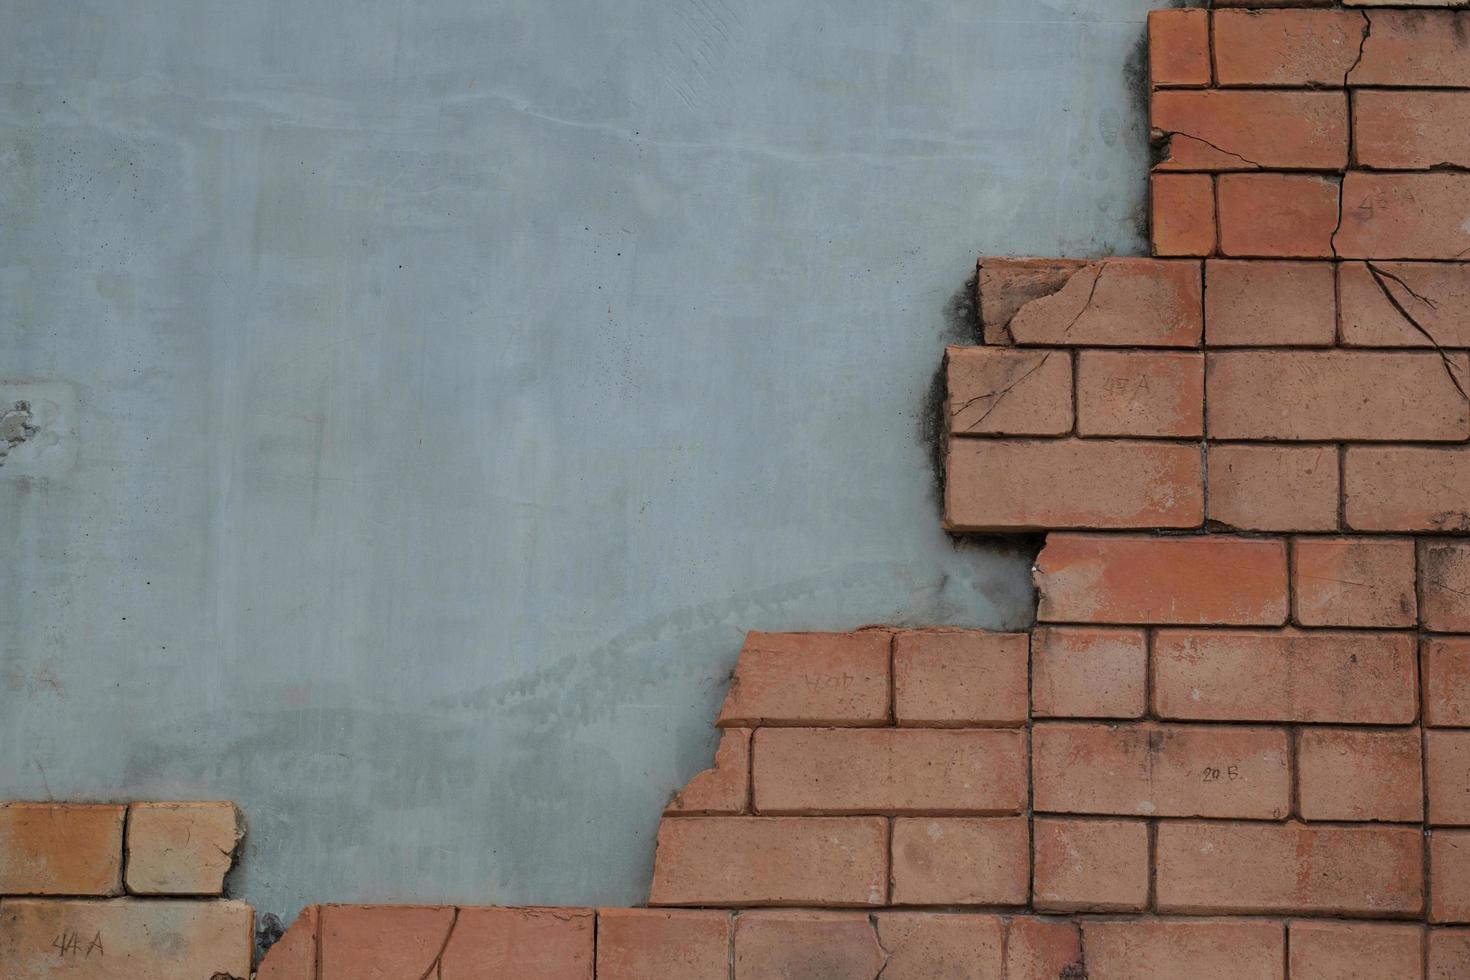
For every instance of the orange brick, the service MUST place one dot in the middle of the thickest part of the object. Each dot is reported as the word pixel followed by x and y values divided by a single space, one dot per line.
pixel 1091 865
pixel 1269 303
pixel 911 770
pixel 61 849
pixel 1447 681
pixel 526 943
pixel 1004 285
pixel 1005 391
pixel 1273 488
pixel 1179 47
pixel 999 485
pixel 810 679
pixel 1411 130
pixel 1404 216
pixel 1118 303
pixel 1161 770
pixel 1182 214
pixel 1444 585
pixel 1216 866
pixel 1323 676
pixel 961 861
pixel 782 945
pixel 1140 393
pixel 930 945
pixel 1327 395
pixel 1353 582
pixel 1043 949
pixel 946 677
pixel 724 788
pixel 1406 488
pixel 1342 950
pixel 751 861
pixel 1449 954
pixel 654 944
pixel 1170 950
pixel 1251 129
pixel 1447 757
pixel 1277 215
pixel 182 848
pixel 1287 47
pixel 1085 578
pixel 375 941
pixel 1360 774
pixel 1415 47
pixel 293 956
pixel 1082 672
pixel 1436 295
pixel 1449 876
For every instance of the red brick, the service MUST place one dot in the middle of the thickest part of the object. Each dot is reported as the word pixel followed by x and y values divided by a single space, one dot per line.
pixel 1091 865
pixel 1004 391
pixel 1435 294
pixel 785 945
pixel 1411 130
pixel 1406 488
pixel 1415 47
pixel 929 945
pixel 1043 949
pixel 293 956
pixel 1447 758
pixel 1182 214
pixel 1444 585
pixel 948 677
pixel 1140 393
pixel 653 944
pixel 1447 681
pixel 1324 676
pixel 1277 215
pixel 525 943
pixel 1082 672
pixel 1449 876
pixel 61 849
pixel 1200 950
pixel 810 679
pixel 1404 216
pixel 1343 950
pixel 999 485
pixel 1216 866
pixel 1287 47
pixel 1118 303
pixel 1240 129
pixel 1085 578
pixel 1353 582
pixel 182 848
pixel 1449 954
pixel 911 770
pixel 724 788
pixel 751 861
pixel 1360 774
pixel 1161 770
pixel 961 861
pixel 1004 285
pixel 381 942
pixel 1273 488
pixel 1179 47
pixel 1336 395
pixel 1269 303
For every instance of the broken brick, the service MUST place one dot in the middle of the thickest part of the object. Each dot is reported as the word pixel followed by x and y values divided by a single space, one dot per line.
pixel 1118 303
pixel 1240 129
pixel 1006 391
pixel 724 788
pixel 181 848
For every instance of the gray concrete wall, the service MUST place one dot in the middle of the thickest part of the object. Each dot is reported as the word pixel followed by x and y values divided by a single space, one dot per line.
pixel 425 396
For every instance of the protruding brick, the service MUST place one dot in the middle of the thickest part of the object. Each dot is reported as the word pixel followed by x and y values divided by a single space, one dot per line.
pixel 1216 866
pixel 1449 876
pixel 1269 304
pixel 1404 216
pixel 1086 672
pixel 1200 950
pixel 293 957
pixel 1182 214
pixel 1444 585
pixel 1343 950
pixel 61 849
pixel 950 677
pixel 1007 391
pixel 1447 681
pixel 1273 487
pixel 1411 130
pixel 961 861
pixel 387 941
pixel 1140 393
pixel 782 945
pixel 1179 47
pixel 1085 578
pixel 1415 48
pixel 810 679
pixel 526 943
pixel 1365 582
pixel 1255 129
pixel 1435 295
pixel 182 848
pixel 931 945
pixel 724 788
pixel 752 861
pixel 906 770
pixel 1161 770
pixel 1447 766
pixel 1360 774
pixel 1406 488
pixel 1091 865
pixel 1004 285
pixel 1287 47
pixel 1449 954
pixel 1000 485
pixel 1118 303
pixel 1043 949
pixel 1337 395
pixel 658 944
pixel 1322 676
pixel 1277 215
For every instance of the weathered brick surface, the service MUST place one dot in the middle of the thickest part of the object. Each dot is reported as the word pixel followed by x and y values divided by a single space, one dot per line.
pixel 293 956
pixel 658 944
pixel 1449 954
pixel 1269 303
pixel 1086 672
pixel 376 942
pixel 1449 876
pixel 960 678
pixel 1406 488
pixel 1444 584
pixel 1360 774
pixel 810 679
pixel 724 788
pixel 1179 47
pixel 1118 303
pixel 181 848
pixel 1411 130
pixel 927 946
pixel 1382 304
pixel 1004 285
pixel 1353 582
pixel 1446 666
pixel 61 849
pixel 1447 768
pixel 1182 214
pixel 1277 215
pixel 1287 47
pixel 1004 391
pixel 782 945
pixel 526 943
pixel 1251 129
pixel 961 861
pixel 1343 950
pixel 1273 487
pixel 1043 949
pixel 1171 950
pixel 1413 48
pixel 1090 865
pixel 1404 215
pixel 1140 393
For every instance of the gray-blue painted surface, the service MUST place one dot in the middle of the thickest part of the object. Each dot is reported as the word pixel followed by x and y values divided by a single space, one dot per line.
pixel 428 394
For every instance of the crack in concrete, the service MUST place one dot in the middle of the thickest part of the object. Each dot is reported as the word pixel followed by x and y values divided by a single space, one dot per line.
pixel 1449 366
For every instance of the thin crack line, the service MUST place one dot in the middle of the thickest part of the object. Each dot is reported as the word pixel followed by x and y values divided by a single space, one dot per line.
pixel 998 395
pixel 436 967
pixel 1171 133
pixel 1403 311
pixel 1087 305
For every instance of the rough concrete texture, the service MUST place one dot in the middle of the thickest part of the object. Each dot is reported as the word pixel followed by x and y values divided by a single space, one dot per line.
pixel 426 396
